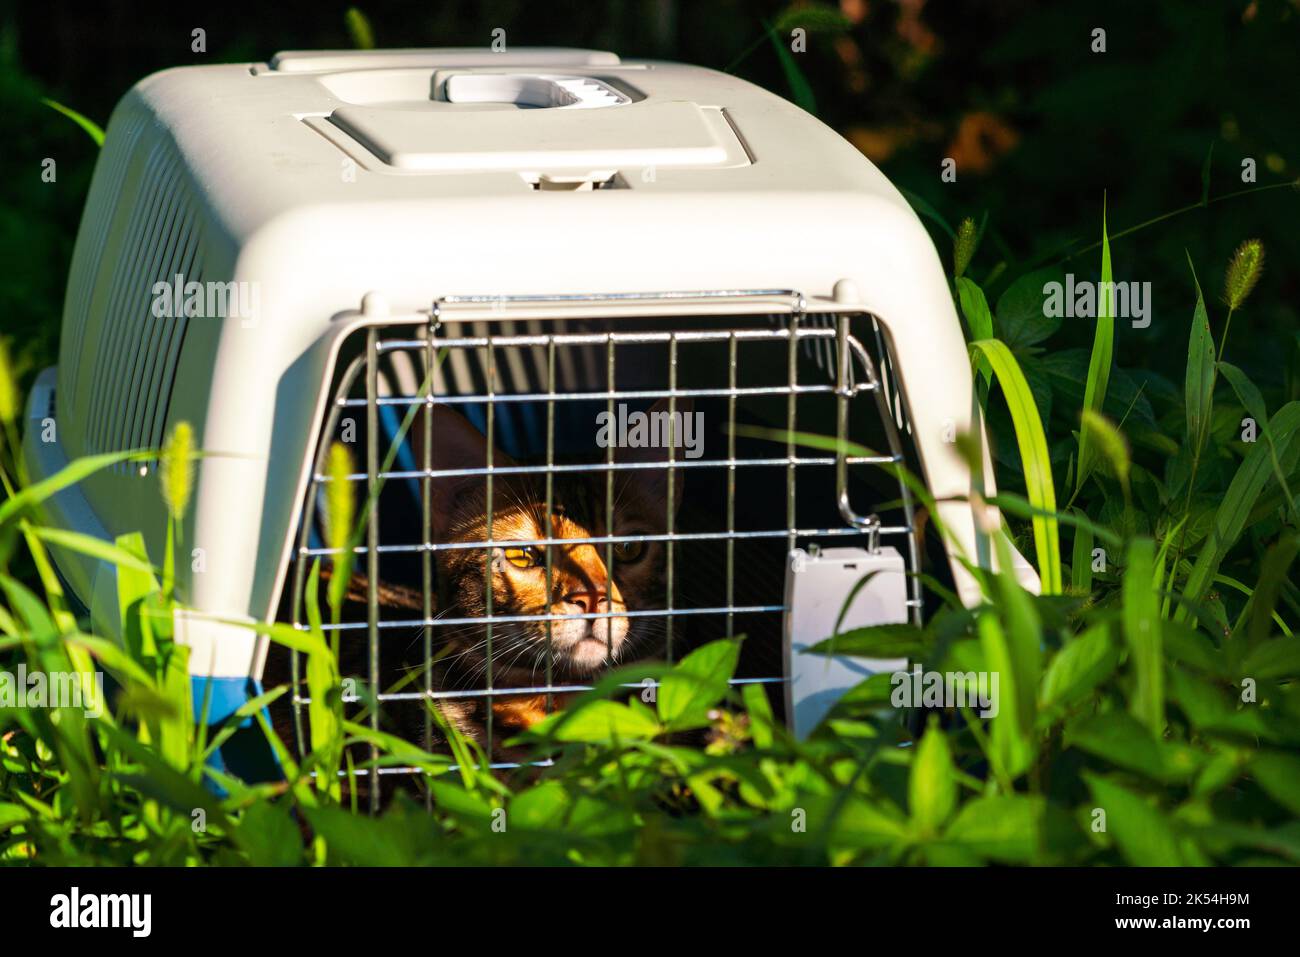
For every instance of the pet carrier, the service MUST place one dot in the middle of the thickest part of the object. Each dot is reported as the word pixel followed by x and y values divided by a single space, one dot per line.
pixel 619 294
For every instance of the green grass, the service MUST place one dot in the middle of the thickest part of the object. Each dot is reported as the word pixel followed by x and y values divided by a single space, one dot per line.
pixel 1149 698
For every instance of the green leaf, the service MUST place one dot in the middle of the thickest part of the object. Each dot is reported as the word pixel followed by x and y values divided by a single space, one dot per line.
pixel 1142 632
pixel 114 658
pixel 304 642
pixel 813 17
pixel 872 693
pixel 394 840
pixel 1253 402
pixel 359 29
pixel 875 641
pixel 465 805
pixel 1022 318
pixel 94 547
pixel 1012 747
pixel 1141 831
pixel 1006 828
pixel 1279 775
pixel 540 807
pixel 932 786
pixel 1082 664
pixel 1279 658
pixel 1023 633
pixel 923 208
pixel 975 308
pixel 978 320
pixel 1198 387
pixel 1185 644
pixel 761 720
pixel 70 474
pixel 161 781
pixel 324 685
pixel 599 722
pixel 696 684
pixel 1219 771
pixel 12 815
pixel 1034 458
pixel 1119 739
pixel 93 129
pixel 1235 506
pixel 269 836
pixel 1126 397
pixel 1018 506
pixel 31 609
pixel 1081 557
pixel 857 823
pixel 1099 364
pixel 398 748
pixel 1208 709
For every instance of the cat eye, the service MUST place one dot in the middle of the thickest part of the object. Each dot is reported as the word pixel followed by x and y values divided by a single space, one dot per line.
pixel 522 557
pixel 628 551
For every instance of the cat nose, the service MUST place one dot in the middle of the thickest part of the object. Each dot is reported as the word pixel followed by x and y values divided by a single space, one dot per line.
pixel 588 600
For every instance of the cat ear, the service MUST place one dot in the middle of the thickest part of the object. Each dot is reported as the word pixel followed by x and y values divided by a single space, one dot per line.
pixel 455 444
pixel 654 482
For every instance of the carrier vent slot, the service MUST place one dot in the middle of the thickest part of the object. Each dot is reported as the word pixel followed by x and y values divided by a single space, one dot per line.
pixel 127 278
pixel 138 352
pixel 103 208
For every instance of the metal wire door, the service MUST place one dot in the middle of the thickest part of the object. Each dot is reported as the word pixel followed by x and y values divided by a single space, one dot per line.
pixel 528 386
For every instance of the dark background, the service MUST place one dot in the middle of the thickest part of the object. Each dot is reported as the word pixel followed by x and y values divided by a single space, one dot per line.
pixel 1041 127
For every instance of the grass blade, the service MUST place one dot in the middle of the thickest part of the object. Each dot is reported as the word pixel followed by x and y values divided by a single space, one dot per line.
pixel 1011 749
pixel 1033 456
pixel 93 129
pixel 1142 632
pixel 975 307
pixel 1273 571
pixel 70 474
pixel 359 29
pixel 800 90
pixel 932 786
pixel 924 208
pixel 91 546
pixel 1103 348
pixel 1081 560
pixel 1235 508
pixel 1253 402
pixel 1198 386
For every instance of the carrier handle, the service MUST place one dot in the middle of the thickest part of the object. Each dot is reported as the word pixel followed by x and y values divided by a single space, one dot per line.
pixel 535 90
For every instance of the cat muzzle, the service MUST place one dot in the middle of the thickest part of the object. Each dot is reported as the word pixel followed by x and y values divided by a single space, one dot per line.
pixel 585 644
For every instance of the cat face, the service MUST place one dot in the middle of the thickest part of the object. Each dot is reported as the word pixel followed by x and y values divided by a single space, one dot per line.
pixel 580 582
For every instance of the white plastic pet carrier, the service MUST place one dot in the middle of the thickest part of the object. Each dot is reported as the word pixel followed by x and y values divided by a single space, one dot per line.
pixel 294 253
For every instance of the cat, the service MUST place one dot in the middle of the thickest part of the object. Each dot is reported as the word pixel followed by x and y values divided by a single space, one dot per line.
pixel 577 649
